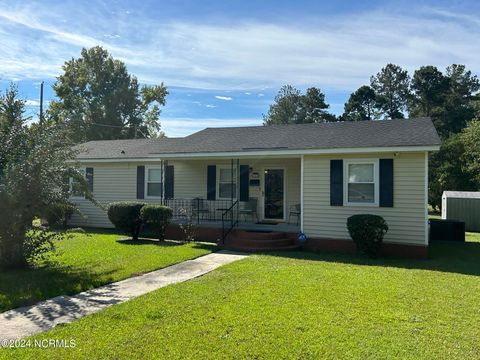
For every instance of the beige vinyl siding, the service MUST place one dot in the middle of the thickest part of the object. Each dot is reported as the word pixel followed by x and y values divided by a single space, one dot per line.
pixel 118 182
pixel 406 220
pixel 111 182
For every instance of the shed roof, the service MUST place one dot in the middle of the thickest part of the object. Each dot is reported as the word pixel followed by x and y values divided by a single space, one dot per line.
pixel 462 194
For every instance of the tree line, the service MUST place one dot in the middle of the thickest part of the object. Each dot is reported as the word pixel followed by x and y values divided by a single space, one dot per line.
pixel 450 98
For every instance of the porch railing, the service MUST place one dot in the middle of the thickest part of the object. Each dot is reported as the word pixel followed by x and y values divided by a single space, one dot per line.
pixel 200 210
pixel 229 220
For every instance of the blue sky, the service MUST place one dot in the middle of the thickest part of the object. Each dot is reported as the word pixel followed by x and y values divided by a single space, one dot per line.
pixel 224 61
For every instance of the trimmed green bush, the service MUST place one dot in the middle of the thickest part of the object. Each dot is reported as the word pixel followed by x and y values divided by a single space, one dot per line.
pixel 125 216
pixel 367 231
pixel 59 214
pixel 157 218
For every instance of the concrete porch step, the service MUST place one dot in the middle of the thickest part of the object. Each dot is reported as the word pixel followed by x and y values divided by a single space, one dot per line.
pixel 254 243
pixel 257 235
pixel 260 249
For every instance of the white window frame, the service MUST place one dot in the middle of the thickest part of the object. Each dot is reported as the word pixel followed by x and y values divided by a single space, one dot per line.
pixel 70 185
pixel 147 169
pixel 235 181
pixel 376 181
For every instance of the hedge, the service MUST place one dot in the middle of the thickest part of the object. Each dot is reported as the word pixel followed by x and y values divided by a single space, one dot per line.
pixel 125 216
pixel 157 218
pixel 367 231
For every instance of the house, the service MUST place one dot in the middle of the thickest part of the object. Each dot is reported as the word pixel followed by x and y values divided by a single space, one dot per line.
pixel 462 206
pixel 305 177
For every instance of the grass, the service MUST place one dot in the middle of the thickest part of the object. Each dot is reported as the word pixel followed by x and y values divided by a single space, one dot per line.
pixel 296 305
pixel 88 260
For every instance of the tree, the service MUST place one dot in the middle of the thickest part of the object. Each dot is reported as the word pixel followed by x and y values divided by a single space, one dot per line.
pixel 459 101
pixel 314 107
pixel 360 105
pixel 35 164
pixel 100 100
pixel 11 109
pixel 292 107
pixel 446 171
pixel 429 87
pixel 457 165
pixel 471 157
pixel 391 86
pixel 285 109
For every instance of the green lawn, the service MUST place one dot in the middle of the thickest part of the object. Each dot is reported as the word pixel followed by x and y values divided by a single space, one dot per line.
pixel 88 260
pixel 296 305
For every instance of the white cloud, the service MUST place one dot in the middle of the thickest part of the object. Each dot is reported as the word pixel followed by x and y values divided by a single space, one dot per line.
pixel 110 36
pixel 210 106
pixel 335 52
pixel 32 103
pixel 260 95
pixel 247 93
pixel 226 98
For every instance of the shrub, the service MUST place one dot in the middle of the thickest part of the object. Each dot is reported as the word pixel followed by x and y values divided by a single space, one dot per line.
pixel 59 214
pixel 188 227
pixel 367 232
pixel 125 216
pixel 157 218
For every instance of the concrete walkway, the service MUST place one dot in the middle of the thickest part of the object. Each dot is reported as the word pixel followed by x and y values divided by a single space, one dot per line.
pixel 30 320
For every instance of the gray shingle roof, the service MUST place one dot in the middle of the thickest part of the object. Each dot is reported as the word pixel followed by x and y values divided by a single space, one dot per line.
pixel 334 135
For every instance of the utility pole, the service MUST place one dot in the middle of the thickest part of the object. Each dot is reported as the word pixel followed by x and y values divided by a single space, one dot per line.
pixel 41 103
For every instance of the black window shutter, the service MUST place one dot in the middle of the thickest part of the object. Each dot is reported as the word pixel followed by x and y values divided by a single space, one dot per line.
pixel 89 176
pixel 169 182
pixel 211 182
pixel 140 182
pixel 386 182
pixel 244 182
pixel 336 182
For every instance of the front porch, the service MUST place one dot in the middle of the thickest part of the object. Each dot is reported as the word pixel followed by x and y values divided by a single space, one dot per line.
pixel 232 224
pixel 225 197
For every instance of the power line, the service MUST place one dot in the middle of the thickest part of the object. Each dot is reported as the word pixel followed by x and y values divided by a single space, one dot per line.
pixel 106 125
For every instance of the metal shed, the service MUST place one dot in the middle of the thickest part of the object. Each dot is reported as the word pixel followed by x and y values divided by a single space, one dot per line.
pixel 462 206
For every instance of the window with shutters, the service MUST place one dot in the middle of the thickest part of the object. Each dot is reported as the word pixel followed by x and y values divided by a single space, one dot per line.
pixel 361 182
pixel 75 188
pixel 226 187
pixel 153 182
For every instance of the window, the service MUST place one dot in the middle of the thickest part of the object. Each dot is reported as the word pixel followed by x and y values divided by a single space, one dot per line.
pixel 361 182
pixel 75 187
pixel 154 182
pixel 225 186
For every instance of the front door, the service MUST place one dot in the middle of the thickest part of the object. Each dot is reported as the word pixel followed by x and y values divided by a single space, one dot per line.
pixel 274 190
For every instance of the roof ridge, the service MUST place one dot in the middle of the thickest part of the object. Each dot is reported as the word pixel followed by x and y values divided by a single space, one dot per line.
pixel 313 124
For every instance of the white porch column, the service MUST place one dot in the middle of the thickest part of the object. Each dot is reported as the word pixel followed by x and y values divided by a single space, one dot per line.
pixel 301 193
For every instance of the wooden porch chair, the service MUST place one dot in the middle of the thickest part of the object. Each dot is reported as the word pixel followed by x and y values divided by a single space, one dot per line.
pixel 295 211
pixel 250 209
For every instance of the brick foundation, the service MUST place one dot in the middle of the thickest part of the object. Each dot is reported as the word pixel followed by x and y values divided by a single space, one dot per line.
pixel 348 247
